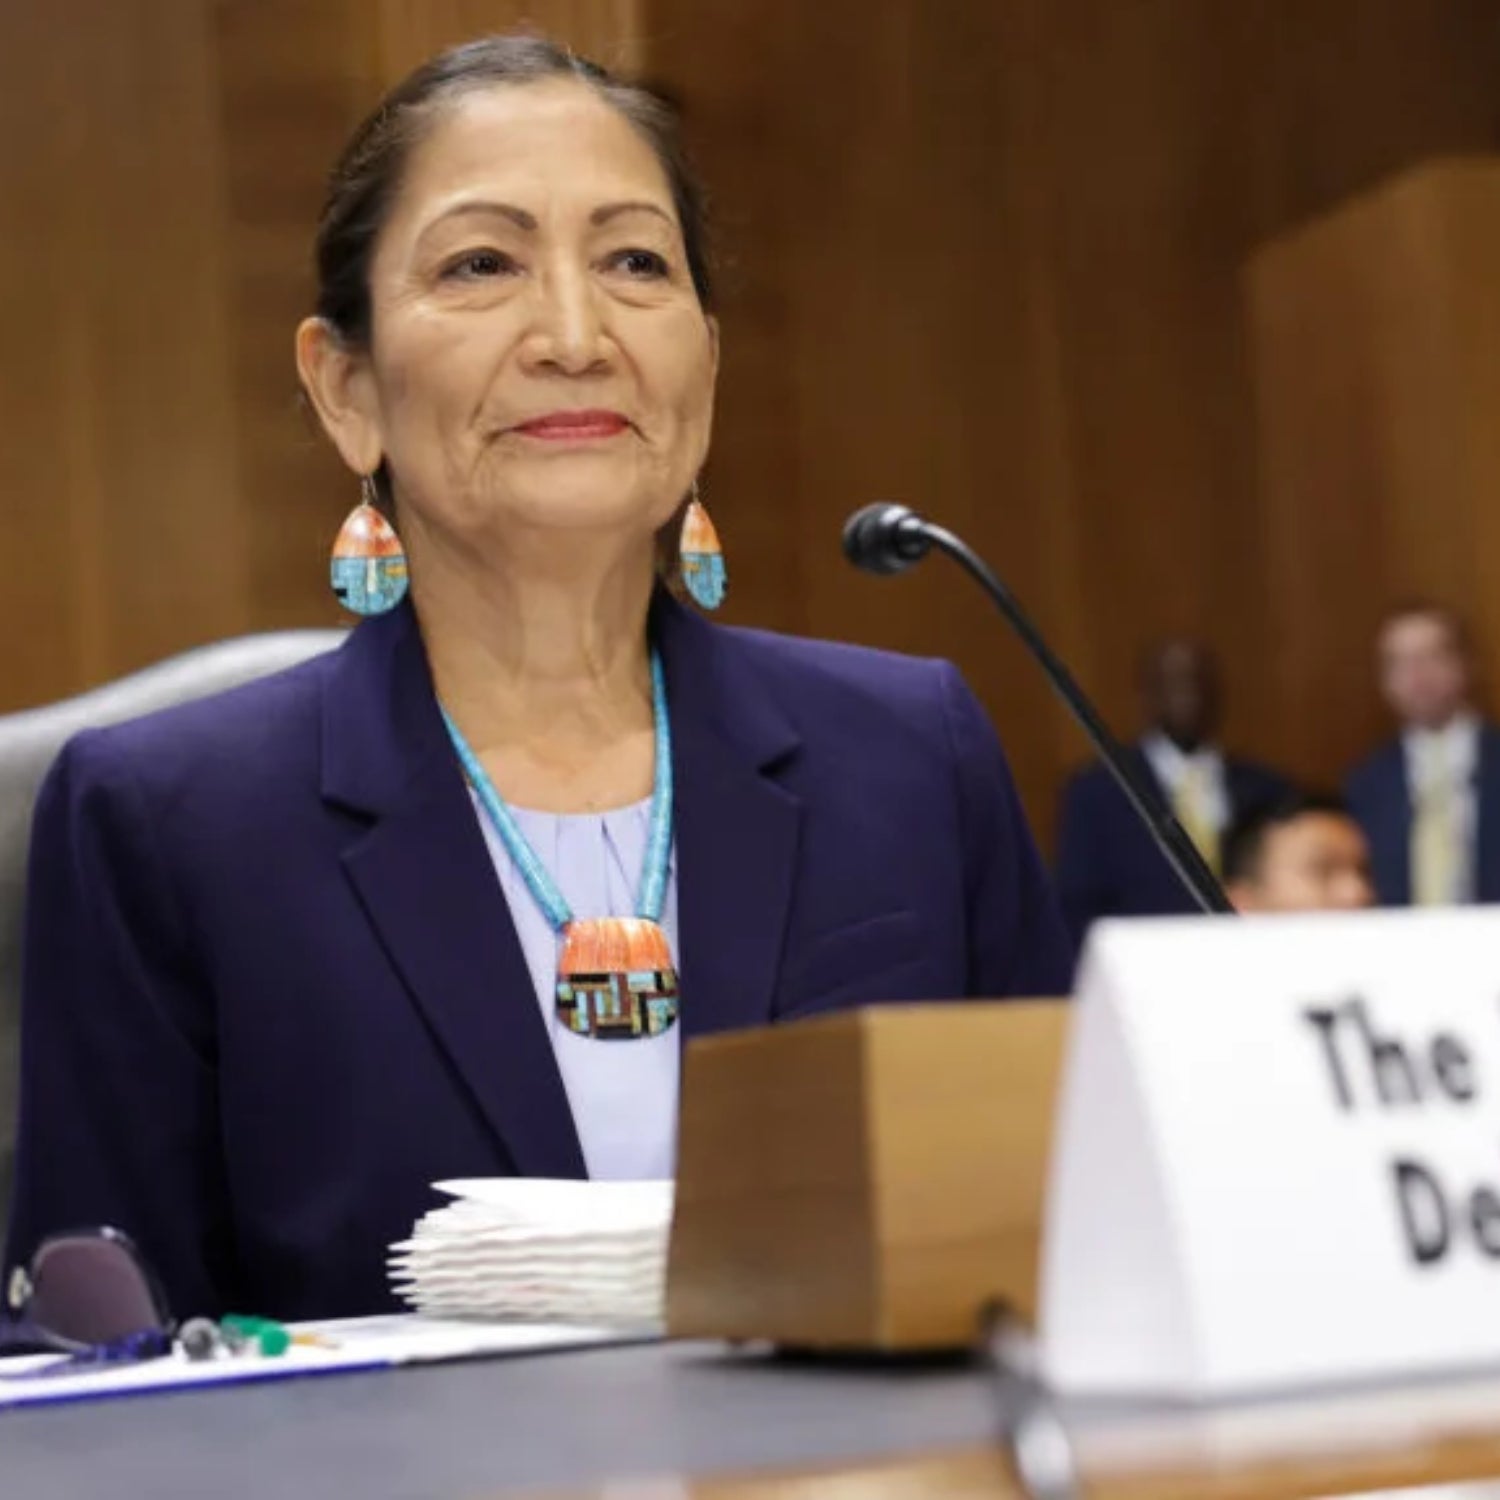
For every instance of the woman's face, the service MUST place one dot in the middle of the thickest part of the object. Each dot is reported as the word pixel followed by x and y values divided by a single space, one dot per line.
pixel 539 358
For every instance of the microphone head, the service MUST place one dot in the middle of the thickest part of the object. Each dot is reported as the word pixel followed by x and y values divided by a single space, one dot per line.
pixel 885 538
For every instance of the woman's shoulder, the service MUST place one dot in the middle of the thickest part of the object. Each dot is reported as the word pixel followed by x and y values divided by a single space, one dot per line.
pixel 816 665
pixel 248 733
pixel 848 700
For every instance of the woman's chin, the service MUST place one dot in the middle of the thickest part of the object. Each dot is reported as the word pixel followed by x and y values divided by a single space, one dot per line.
pixel 572 514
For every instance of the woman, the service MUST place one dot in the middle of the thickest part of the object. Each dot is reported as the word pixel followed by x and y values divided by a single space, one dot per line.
pixel 414 910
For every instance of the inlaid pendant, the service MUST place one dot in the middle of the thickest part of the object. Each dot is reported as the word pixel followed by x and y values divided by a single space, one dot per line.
pixel 702 556
pixel 615 979
pixel 368 569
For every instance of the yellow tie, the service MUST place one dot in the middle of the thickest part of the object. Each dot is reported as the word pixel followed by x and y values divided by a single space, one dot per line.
pixel 1435 852
pixel 1191 804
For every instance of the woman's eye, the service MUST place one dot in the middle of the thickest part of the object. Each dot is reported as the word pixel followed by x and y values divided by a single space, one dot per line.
pixel 643 265
pixel 478 264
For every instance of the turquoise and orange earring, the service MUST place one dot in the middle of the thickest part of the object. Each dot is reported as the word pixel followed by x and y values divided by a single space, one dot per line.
pixel 702 557
pixel 368 569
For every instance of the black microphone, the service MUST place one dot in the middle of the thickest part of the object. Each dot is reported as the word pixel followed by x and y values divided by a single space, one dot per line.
pixel 890 538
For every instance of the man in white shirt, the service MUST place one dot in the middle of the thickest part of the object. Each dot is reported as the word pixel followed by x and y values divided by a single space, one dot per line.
pixel 1107 864
pixel 1429 800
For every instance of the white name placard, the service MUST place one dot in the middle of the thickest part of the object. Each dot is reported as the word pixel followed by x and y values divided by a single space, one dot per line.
pixel 1277 1159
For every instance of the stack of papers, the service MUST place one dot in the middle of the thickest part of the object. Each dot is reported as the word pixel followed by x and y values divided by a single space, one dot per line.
pixel 524 1249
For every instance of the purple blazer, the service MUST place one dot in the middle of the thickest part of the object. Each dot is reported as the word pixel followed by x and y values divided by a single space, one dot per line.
pixel 272 989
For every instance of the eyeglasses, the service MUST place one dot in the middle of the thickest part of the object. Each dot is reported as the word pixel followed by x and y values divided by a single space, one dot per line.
pixel 88 1294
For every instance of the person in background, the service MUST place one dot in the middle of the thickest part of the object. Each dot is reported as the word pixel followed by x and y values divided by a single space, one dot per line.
pixel 1429 799
pixel 1303 853
pixel 1107 863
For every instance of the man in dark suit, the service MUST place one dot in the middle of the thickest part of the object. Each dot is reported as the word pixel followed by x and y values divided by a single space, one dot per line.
pixel 1429 799
pixel 1107 864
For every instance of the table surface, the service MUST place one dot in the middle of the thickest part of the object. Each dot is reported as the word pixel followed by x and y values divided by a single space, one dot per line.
pixel 565 1420
pixel 637 1423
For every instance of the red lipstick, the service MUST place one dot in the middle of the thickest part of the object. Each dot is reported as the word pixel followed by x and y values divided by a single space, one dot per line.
pixel 574 426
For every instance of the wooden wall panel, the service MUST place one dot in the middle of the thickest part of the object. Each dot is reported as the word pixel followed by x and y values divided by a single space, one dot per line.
pixel 988 262
pixel 36 615
pixel 120 510
pixel 291 86
pixel 407 32
pixel 1376 341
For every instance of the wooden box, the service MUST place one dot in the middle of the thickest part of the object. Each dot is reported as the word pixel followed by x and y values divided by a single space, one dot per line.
pixel 869 1180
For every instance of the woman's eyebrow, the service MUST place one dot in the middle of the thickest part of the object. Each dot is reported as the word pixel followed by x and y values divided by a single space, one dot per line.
pixel 527 221
pixel 607 211
pixel 517 216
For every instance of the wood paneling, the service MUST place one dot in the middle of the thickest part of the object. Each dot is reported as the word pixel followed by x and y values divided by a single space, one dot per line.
pixel 407 32
pixel 986 261
pixel 120 520
pixel 981 257
pixel 1375 332
pixel 291 87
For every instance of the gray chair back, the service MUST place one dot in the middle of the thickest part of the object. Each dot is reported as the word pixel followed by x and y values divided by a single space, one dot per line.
pixel 30 741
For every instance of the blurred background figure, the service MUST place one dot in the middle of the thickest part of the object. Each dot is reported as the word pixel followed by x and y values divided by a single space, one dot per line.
pixel 1429 799
pixel 1107 864
pixel 1303 853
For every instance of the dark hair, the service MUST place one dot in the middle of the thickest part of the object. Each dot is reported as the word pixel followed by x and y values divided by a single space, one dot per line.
pixel 1245 842
pixel 1430 609
pixel 367 176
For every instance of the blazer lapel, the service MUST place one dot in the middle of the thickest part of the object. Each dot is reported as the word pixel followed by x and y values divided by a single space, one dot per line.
pixel 1391 842
pixel 1147 773
pixel 1240 789
pixel 423 873
pixel 1487 796
pixel 736 828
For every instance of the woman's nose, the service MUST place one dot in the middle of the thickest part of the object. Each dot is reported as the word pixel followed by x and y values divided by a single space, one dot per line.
pixel 567 330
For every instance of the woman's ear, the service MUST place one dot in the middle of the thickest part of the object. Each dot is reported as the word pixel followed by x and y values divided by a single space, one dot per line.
pixel 341 387
pixel 713 346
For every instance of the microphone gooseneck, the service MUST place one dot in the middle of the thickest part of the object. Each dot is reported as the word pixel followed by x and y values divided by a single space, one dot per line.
pixel 888 539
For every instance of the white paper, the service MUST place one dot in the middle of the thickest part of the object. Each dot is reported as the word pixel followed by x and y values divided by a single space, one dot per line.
pixel 540 1250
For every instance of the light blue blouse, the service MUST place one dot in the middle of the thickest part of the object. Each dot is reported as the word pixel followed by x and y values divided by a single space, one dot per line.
pixel 623 1093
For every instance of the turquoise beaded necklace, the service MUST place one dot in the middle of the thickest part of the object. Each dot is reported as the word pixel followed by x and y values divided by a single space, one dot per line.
pixel 616 977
